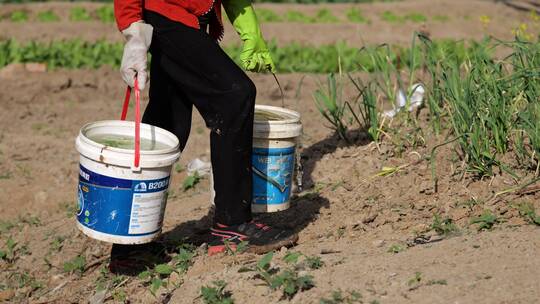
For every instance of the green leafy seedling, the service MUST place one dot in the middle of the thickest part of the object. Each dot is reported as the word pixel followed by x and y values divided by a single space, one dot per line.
pixel 77 265
pixel 314 262
pixel 338 298
pixel 396 248
pixel 191 181
pixel 443 226
pixel 79 14
pixel 291 283
pixel 292 257
pixel 216 294
pixel 528 211
pixel 486 221
pixel 18 16
pixel 416 279
pixel 47 16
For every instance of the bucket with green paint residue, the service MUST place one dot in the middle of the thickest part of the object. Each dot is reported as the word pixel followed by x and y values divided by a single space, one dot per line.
pixel 117 202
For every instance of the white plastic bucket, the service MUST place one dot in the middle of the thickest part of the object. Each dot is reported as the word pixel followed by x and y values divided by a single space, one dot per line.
pixel 273 158
pixel 116 202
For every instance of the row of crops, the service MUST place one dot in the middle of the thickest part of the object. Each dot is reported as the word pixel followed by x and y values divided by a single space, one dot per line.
pixel 324 15
pixel 486 105
pixel 292 57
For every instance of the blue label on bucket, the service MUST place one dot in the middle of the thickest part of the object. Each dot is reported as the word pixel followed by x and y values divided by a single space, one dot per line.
pixel 121 207
pixel 272 175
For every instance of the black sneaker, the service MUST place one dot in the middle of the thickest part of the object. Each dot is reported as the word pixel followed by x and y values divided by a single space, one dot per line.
pixel 260 238
pixel 131 260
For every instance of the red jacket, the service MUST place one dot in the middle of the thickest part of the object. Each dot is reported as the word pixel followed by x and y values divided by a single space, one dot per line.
pixel 185 11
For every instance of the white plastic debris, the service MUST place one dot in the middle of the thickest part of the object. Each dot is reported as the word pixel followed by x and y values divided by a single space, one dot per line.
pixel 417 97
pixel 200 166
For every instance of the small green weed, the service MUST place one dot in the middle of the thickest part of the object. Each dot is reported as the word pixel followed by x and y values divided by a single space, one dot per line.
pixel 330 104
pixel 441 18
pixel 47 16
pixel 266 15
pixel 528 211
pixel 396 248
pixel 57 243
pixel 79 14
pixel 157 277
pixel 388 16
pixel 105 14
pixel 355 15
pixel 9 253
pixel 18 16
pixel 486 221
pixel 178 168
pixel 288 280
pixel 437 282
pixel 191 181
pixel 216 294
pixel 325 16
pixel 443 226
pixel 24 279
pixel 416 17
pixel 416 279
pixel 338 297
pixel 296 16
pixel 75 265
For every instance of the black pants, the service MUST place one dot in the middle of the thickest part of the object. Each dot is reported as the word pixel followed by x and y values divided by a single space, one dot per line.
pixel 189 69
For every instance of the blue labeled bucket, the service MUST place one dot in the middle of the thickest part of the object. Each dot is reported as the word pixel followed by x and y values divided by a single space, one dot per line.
pixel 116 202
pixel 275 136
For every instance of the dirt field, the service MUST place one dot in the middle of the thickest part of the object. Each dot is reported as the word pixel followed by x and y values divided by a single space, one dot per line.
pixel 373 233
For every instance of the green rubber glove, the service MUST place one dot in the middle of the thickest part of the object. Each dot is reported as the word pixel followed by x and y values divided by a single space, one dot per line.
pixel 255 56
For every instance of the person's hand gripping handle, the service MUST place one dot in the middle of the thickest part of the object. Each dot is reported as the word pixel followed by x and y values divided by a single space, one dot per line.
pixel 134 60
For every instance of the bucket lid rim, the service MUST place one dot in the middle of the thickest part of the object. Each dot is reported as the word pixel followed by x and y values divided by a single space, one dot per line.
pixel 170 150
pixel 280 110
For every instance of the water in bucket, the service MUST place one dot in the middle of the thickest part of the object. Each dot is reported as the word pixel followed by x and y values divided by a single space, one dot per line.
pixel 115 202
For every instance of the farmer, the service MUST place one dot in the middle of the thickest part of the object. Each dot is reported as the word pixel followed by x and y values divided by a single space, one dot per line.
pixel 188 68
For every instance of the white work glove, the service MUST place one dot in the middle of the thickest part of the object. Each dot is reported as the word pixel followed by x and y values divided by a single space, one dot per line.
pixel 134 61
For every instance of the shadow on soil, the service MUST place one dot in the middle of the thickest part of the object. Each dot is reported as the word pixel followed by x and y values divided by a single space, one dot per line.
pixel 314 153
pixel 305 208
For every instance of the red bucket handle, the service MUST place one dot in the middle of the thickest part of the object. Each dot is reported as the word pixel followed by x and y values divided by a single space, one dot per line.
pixel 137 157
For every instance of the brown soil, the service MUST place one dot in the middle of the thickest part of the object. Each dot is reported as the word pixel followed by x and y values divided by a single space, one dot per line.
pixel 347 215
pixel 463 23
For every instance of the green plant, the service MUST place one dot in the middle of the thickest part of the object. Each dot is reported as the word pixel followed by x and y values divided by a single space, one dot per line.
pixel 106 14
pixel 528 211
pixel 443 226
pixel 396 248
pixel 47 16
pixel 338 297
pixel 388 16
pixel 266 15
pixel 366 111
pixel 191 181
pixel 486 221
pixel 216 294
pixel 288 280
pixel 79 14
pixel 330 104
pixel 416 17
pixel 296 16
pixel 75 265
pixel 18 16
pixel 416 279
pixel 355 15
pixel 325 15
pixel 9 254
pixel 158 276
pixel 57 243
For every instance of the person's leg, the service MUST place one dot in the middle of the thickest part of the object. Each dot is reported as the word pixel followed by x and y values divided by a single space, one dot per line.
pixel 167 108
pixel 225 97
